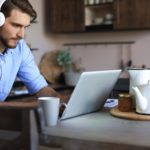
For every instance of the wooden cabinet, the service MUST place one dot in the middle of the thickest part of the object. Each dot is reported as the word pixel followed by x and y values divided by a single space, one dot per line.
pixel 70 16
pixel 64 15
pixel 131 14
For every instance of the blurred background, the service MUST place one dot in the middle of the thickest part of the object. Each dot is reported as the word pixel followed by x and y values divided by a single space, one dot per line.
pixel 96 50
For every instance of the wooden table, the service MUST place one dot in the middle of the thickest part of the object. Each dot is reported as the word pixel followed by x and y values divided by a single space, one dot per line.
pixel 17 115
pixel 100 131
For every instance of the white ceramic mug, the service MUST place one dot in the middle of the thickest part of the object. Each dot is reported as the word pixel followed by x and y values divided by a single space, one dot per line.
pixel 51 107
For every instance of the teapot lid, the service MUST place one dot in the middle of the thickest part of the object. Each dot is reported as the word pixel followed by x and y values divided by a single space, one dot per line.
pixel 125 95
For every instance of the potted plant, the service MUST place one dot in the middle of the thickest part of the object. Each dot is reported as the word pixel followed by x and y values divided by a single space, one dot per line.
pixel 71 72
pixel 64 60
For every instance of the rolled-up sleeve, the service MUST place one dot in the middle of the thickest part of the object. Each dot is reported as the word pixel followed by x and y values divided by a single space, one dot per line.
pixel 35 85
pixel 29 72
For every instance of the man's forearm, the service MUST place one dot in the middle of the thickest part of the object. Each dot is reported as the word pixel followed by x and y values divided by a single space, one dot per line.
pixel 47 91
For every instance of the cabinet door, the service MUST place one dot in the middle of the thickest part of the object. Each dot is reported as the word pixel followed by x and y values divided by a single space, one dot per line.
pixel 132 14
pixel 64 15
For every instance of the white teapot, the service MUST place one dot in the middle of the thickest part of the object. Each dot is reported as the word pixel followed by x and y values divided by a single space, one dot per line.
pixel 142 97
pixel 138 76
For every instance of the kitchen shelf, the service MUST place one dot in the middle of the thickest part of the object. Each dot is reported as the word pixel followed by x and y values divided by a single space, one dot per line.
pixel 99 28
pixel 100 43
pixel 110 4
pixel 34 49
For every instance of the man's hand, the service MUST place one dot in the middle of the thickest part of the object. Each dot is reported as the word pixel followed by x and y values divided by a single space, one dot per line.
pixel 47 91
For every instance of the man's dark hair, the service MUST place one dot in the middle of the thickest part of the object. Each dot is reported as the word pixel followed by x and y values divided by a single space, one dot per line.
pixel 22 5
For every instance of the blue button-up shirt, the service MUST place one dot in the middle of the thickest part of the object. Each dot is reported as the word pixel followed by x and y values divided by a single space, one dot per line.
pixel 19 62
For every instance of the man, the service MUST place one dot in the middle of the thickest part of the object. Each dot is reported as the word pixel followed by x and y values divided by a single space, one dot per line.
pixel 16 58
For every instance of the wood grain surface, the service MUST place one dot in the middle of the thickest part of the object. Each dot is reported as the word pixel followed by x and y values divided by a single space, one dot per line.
pixel 129 115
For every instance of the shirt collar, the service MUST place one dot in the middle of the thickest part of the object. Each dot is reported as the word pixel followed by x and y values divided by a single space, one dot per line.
pixel 7 51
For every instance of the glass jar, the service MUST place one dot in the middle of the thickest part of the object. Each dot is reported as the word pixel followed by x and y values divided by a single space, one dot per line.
pixel 97 1
pixel 86 2
pixel 125 102
pixel 91 2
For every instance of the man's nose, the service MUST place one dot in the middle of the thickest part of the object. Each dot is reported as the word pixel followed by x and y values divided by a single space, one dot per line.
pixel 21 32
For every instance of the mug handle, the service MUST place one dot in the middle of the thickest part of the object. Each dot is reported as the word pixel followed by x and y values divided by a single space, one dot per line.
pixel 65 105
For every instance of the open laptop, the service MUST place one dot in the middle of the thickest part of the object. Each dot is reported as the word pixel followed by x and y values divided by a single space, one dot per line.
pixel 91 92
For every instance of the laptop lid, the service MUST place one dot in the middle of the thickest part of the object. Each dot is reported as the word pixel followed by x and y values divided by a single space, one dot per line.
pixel 91 92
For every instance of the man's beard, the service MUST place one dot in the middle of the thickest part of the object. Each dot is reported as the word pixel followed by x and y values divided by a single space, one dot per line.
pixel 6 43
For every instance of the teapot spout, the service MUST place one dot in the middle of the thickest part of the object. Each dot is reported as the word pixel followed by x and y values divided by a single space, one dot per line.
pixel 141 101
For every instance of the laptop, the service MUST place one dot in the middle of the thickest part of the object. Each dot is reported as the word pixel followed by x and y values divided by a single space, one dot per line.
pixel 90 93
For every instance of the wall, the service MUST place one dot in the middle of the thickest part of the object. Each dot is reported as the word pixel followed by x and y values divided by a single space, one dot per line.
pixel 35 35
pixel 93 57
pixel 109 56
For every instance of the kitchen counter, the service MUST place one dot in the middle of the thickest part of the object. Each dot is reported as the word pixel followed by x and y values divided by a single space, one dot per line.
pixel 100 130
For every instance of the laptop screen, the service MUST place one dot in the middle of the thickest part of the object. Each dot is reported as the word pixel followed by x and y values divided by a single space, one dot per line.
pixel 91 92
